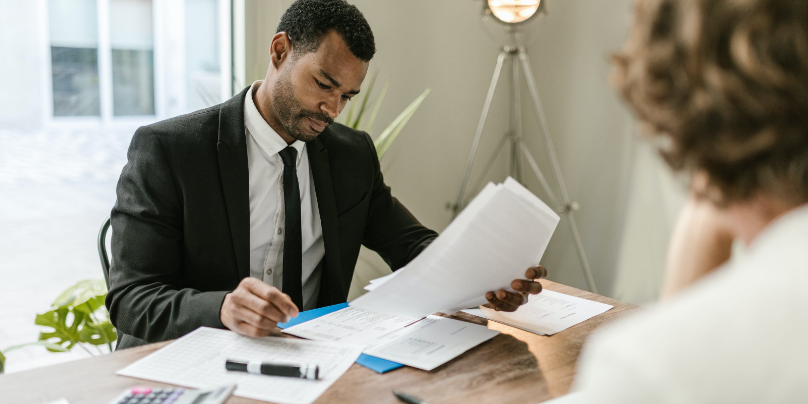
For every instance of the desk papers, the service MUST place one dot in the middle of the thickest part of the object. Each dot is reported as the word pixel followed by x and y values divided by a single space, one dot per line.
pixel 500 234
pixel 546 313
pixel 423 343
pixel 197 360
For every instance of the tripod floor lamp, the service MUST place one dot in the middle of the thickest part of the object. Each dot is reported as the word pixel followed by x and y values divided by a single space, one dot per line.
pixel 511 13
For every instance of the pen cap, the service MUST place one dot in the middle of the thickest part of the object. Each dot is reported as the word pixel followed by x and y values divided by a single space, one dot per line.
pixel 237 366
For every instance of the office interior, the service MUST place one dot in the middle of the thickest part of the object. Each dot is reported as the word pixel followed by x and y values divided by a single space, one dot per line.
pixel 79 76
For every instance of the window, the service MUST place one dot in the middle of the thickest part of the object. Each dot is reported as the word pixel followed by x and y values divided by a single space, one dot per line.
pixel 132 47
pixel 74 57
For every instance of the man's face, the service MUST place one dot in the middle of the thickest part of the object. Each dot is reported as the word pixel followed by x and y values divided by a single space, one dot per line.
pixel 313 88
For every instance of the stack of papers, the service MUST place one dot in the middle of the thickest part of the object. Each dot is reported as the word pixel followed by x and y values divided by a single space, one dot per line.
pixel 501 233
pixel 546 313
pixel 423 343
pixel 197 360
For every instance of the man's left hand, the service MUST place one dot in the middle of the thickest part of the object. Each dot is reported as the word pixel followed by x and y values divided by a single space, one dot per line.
pixel 504 300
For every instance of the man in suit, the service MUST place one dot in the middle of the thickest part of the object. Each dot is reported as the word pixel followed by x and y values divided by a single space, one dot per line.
pixel 242 214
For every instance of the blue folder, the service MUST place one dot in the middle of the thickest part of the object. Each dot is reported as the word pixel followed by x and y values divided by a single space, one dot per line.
pixel 373 363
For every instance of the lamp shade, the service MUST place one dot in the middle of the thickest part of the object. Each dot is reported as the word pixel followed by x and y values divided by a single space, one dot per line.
pixel 513 11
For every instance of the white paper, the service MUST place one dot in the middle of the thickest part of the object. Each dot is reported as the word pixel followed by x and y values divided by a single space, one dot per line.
pixel 351 326
pixel 197 360
pixel 500 234
pixel 430 342
pixel 546 313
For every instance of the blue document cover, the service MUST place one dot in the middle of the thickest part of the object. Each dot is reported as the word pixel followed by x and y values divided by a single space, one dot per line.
pixel 373 363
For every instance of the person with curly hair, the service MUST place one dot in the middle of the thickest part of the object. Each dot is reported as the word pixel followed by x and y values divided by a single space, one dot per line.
pixel 241 215
pixel 722 86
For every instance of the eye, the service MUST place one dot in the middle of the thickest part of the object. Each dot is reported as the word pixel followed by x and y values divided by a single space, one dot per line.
pixel 346 97
pixel 321 85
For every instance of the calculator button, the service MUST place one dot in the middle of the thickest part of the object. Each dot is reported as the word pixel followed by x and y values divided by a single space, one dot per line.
pixel 141 390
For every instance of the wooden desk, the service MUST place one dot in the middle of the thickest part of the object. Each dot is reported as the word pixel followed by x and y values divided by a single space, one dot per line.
pixel 514 367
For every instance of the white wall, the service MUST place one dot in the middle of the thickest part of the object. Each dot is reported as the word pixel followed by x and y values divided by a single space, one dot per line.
pixel 20 68
pixel 442 44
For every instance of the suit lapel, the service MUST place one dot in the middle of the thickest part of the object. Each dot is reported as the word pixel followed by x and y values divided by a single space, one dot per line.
pixel 324 188
pixel 232 151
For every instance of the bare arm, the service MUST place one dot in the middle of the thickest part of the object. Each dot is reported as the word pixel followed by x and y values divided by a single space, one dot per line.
pixel 700 243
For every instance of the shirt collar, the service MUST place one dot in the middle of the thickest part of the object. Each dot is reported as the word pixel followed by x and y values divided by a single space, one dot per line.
pixel 266 137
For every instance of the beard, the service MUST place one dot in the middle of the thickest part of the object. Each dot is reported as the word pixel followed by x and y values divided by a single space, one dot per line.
pixel 290 114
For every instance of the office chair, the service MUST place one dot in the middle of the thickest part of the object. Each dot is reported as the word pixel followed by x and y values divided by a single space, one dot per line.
pixel 102 250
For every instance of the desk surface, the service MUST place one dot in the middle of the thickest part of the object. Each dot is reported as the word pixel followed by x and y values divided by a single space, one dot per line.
pixel 514 367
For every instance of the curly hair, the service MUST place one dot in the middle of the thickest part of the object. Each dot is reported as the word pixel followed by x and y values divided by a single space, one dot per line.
pixel 724 84
pixel 307 21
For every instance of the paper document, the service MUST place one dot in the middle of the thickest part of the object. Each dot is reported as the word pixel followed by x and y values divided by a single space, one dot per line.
pixel 351 326
pixel 430 342
pixel 546 313
pixel 423 343
pixel 197 360
pixel 500 234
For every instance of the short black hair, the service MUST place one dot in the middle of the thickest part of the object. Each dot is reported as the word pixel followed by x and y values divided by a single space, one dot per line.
pixel 307 21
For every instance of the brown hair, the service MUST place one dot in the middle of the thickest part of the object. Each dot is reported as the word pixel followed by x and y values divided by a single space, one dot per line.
pixel 725 84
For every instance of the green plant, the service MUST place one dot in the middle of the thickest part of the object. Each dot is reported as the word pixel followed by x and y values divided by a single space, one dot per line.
pixel 78 317
pixel 356 113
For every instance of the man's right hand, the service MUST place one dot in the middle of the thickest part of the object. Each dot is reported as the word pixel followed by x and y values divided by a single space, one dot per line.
pixel 254 308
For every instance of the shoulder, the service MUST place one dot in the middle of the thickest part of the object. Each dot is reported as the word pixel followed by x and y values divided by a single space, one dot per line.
pixel 341 137
pixel 188 128
pixel 702 344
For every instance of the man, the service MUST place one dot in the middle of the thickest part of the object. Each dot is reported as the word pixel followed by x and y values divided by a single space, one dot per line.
pixel 240 215
pixel 725 83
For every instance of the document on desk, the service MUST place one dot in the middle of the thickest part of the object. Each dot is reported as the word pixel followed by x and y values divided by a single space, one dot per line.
pixel 197 360
pixel 430 342
pixel 351 326
pixel 500 234
pixel 423 343
pixel 546 313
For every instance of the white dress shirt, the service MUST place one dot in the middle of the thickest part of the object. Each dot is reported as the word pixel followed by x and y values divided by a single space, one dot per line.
pixel 738 336
pixel 267 216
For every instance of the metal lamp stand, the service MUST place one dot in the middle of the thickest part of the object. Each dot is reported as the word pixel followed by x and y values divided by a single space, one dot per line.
pixel 519 60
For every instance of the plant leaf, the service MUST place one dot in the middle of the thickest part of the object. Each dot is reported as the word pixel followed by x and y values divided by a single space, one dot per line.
pixel 368 91
pixel 376 107
pixel 2 363
pixel 64 335
pixel 391 132
pixel 97 333
pixel 80 293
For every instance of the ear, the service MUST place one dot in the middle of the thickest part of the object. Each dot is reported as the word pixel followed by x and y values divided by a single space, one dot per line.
pixel 280 49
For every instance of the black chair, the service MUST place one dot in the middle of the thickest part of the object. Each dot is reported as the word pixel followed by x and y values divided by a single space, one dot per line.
pixel 102 250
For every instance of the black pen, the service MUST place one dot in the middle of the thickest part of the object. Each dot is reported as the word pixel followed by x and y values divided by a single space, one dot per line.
pixel 408 398
pixel 311 372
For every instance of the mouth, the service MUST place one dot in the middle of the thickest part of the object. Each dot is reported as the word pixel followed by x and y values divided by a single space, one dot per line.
pixel 317 125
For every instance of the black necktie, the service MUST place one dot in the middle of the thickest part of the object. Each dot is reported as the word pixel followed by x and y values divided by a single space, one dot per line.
pixel 293 243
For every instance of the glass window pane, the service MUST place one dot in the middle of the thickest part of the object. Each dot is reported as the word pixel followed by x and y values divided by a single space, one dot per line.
pixel 75 81
pixel 132 82
pixel 203 86
pixel 73 33
pixel 132 43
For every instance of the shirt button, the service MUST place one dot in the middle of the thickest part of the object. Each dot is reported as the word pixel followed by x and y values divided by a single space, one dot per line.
pixel 269 271
pixel 280 230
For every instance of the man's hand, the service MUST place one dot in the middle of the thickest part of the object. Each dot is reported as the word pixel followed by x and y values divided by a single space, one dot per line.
pixel 503 300
pixel 254 308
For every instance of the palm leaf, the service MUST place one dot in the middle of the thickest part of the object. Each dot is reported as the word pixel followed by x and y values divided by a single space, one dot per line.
pixel 378 104
pixel 391 132
pixel 364 103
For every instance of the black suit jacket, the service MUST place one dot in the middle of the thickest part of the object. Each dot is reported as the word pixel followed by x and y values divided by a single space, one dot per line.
pixel 181 223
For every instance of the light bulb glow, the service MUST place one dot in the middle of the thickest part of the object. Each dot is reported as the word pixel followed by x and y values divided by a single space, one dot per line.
pixel 513 11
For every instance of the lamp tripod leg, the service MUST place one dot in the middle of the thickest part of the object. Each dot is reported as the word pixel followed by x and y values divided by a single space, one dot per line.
pixel 492 88
pixel 567 206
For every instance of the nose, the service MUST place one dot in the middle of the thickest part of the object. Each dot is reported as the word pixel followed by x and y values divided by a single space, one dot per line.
pixel 331 107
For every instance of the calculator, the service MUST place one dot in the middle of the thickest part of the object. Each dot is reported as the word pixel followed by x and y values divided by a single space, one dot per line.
pixel 148 395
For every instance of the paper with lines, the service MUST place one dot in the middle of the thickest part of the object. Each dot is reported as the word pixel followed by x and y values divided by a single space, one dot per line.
pixel 546 313
pixel 498 236
pixel 197 360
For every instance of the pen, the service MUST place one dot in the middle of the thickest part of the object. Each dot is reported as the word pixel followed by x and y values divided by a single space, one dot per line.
pixel 311 372
pixel 408 398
